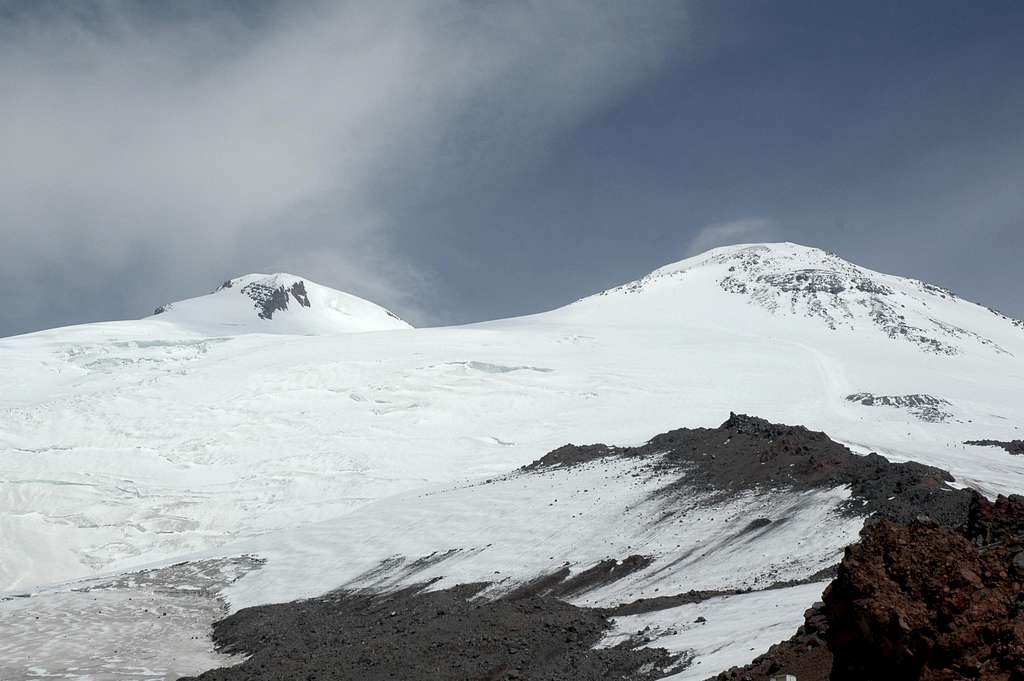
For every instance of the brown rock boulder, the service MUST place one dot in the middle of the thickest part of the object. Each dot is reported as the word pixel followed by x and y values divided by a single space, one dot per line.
pixel 923 602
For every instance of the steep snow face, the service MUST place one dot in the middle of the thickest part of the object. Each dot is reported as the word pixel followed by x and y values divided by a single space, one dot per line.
pixel 277 303
pixel 796 281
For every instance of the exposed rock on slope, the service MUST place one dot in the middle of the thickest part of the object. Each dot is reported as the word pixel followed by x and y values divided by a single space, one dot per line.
pixel 1012 446
pixel 924 407
pixel 440 635
pixel 747 453
pixel 268 299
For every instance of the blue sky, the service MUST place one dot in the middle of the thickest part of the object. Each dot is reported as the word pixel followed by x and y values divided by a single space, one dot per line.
pixel 460 161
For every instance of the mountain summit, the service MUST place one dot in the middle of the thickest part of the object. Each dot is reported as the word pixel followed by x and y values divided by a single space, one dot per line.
pixel 279 303
pixel 788 281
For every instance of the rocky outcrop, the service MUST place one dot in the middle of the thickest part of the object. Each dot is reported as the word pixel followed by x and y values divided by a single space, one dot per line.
pixel 270 299
pixel 1011 446
pixel 925 407
pixel 925 602
pixel 298 291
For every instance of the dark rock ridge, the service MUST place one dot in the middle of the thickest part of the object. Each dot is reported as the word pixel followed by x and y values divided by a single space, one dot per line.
pixel 269 299
pixel 1012 446
pixel 719 461
pixel 382 631
pixel 917 601
pixel 924 407
pixel 439 635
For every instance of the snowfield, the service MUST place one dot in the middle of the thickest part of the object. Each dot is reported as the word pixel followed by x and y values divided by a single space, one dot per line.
pixel 209 431
pixel 734 629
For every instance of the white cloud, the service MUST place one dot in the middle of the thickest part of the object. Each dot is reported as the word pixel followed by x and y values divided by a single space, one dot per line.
pixel 193 146
pixel 745 230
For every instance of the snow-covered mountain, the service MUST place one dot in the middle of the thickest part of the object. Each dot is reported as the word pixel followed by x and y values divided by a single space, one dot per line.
pixel 793 281
pixel 322 456
pixel 277 303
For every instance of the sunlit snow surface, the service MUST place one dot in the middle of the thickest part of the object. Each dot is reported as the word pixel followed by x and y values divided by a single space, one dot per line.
pixel 722 632
pixel 129 443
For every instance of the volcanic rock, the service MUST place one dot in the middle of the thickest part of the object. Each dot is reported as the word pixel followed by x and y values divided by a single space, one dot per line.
pixel 925 602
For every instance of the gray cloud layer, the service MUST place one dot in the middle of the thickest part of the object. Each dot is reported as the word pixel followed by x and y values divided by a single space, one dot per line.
pixel 457 160
pixel 144 150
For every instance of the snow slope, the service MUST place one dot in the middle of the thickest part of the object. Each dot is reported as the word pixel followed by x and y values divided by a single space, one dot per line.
pixel 506 530
pixel 129 443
